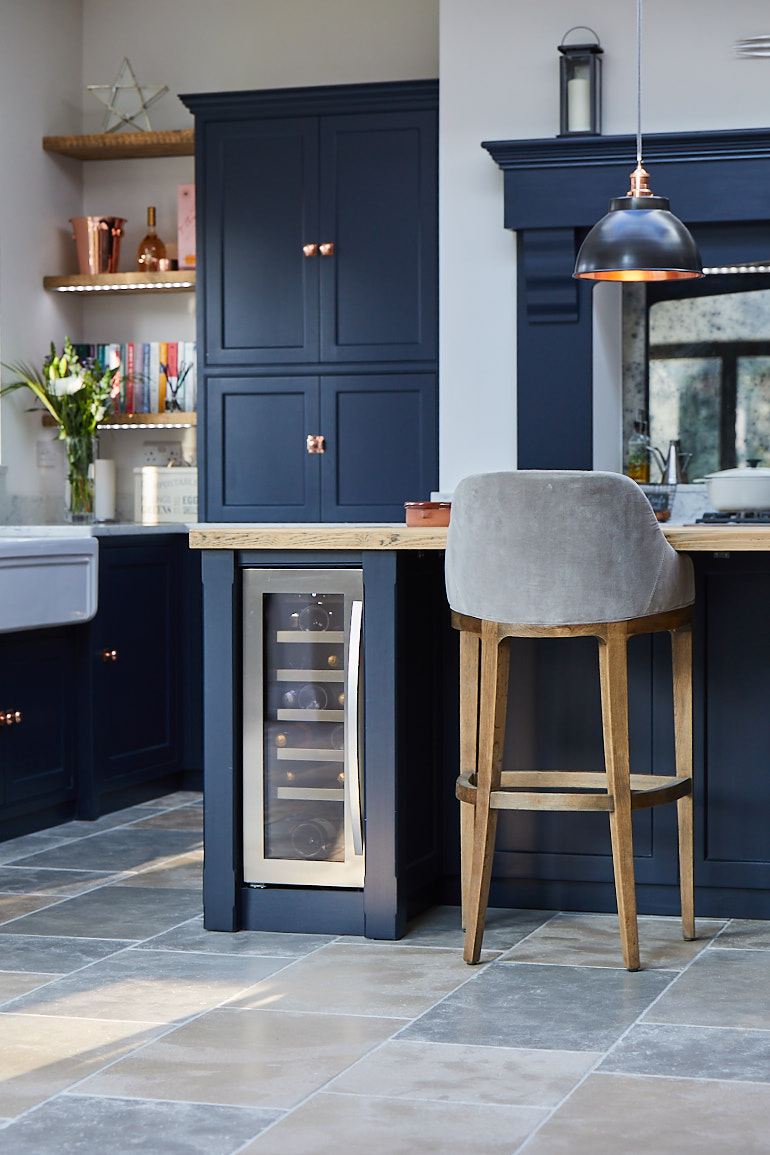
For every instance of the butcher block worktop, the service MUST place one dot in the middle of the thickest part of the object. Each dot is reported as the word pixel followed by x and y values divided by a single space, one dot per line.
pixel 316 535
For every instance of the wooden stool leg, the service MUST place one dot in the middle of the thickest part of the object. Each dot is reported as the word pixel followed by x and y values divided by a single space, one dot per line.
pixel 613 667
pixel 493 704
pixel 469 723
pixel 681 651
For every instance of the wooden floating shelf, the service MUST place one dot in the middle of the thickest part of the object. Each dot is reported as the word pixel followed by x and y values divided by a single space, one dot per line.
pixel 176 281
pixel 123 145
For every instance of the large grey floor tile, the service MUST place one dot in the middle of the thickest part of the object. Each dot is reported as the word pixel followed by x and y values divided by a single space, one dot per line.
pixel 693 1052
pixel 29 844
pixel 745 933
pixel 15 983
pixel 120 1126
pixel 16 906
pixel 722 988
pixel 191 936
pixel 625 1115
pixel 42 880
pixel 449 1072
pixel 183 872
pixel 329 1124
pixel 125 848
pixel 57 954
pixel 147 986
pixel 362 980
pixel 537 1005
pixel 130 912
pixel 260 1058
pixel 594 940
pixel 440 926
pixel 43 1055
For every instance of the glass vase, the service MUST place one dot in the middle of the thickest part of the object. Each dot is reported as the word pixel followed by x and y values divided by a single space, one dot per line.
pixel 79 491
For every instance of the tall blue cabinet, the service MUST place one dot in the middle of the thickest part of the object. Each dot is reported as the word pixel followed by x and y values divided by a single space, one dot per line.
pixel 317 256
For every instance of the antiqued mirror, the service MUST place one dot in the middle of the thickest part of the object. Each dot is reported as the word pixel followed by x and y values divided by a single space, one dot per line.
pixel 699 364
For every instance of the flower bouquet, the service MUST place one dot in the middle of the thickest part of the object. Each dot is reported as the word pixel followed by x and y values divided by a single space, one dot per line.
pixel 78 395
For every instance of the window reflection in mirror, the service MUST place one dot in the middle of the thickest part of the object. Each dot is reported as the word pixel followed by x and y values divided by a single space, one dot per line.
pixel 700 365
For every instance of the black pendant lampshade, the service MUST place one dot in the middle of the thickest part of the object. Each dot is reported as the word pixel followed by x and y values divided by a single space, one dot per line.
pixel 639 239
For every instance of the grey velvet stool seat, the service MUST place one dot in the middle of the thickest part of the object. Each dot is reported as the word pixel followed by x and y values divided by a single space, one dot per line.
pixel 558 553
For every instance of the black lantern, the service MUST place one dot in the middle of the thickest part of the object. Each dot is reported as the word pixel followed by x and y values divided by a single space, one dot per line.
pixel 580 86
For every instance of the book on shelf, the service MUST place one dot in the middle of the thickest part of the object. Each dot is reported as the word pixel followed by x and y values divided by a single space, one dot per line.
pixel 150 375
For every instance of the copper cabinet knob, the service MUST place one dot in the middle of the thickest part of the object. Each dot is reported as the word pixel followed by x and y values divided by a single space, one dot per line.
pixel 8 717
pixel 109 655
pixel 326 249
pixel 310 250
pixel 316 443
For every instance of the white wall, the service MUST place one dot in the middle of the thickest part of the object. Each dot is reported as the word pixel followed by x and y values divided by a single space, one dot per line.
pixel 499 80
pixel 39 93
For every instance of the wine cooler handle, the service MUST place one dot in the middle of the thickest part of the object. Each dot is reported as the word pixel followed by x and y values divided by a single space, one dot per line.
pixel 352 780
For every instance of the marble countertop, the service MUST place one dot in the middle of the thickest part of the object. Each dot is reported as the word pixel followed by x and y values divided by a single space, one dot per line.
pixel 97 529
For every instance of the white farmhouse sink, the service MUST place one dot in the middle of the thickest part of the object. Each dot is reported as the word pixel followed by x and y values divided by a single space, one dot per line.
pixel 47 581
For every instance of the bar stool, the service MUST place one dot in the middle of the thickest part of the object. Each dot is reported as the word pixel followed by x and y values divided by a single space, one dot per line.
pixel 562 554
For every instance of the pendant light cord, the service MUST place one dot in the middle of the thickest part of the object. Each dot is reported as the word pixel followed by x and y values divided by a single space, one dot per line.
pixel 639 82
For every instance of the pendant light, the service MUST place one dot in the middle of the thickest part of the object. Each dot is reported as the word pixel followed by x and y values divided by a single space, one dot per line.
pixel 639 239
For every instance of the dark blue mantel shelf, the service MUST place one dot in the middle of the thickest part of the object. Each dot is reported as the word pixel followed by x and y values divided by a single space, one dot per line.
pixel 554 191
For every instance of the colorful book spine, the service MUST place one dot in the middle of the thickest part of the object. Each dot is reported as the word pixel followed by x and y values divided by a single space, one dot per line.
pixel 146 378
pixel 173 372
pixel 130 376
pixel 162 376
pixel 154 373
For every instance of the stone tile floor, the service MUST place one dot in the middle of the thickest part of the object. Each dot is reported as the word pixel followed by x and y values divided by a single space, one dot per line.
pixel 125 1027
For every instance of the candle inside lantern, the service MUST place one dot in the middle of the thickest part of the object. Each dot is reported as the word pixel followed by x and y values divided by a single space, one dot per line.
pixel 579 104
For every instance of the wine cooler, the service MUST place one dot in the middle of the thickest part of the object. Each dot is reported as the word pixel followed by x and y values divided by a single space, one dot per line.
pixel 302 756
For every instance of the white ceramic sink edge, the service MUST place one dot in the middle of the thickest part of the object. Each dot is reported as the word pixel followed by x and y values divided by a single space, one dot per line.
pixel 47 581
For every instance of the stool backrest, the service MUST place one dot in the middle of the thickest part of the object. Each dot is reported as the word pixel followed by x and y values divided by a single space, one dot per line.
pixel 560 547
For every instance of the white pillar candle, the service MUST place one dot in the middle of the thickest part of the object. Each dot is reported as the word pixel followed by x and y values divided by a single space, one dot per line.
pixel 579 104
pixel 104 490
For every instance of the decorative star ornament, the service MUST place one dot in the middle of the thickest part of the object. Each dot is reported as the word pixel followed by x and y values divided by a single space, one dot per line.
pixel 126 100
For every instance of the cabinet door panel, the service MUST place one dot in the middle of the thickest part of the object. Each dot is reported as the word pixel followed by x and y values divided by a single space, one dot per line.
pixel 136 715
pixel 260 203
pixel 378 207
pixel 258 466
pixel 37 753
pixel 380 434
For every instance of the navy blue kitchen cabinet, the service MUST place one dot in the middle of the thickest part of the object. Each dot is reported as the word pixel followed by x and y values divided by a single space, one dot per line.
pixel 379 432
pixel 39 704
pixel 140 668
pixel 317 257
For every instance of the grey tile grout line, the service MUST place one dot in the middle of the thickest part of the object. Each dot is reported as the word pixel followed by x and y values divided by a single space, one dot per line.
pixel 608 1050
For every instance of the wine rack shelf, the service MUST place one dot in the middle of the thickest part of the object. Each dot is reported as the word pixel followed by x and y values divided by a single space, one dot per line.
pixel 310 675
pixel 326 637
pixel 308 754
pixel 311 793
pixel 291 715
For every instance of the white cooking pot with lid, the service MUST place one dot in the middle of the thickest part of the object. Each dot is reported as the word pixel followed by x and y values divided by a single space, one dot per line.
pixel 737 490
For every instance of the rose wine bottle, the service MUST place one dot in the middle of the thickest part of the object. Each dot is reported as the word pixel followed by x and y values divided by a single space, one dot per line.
pixel 151 248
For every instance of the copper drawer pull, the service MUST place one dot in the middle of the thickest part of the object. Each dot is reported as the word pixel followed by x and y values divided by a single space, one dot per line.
pixel 326 249
pixel 310 250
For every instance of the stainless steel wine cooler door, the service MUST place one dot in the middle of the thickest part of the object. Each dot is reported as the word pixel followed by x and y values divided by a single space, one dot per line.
pixel 302 770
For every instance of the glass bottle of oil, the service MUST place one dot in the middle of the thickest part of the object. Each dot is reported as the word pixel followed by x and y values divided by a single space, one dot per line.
pixel 639 451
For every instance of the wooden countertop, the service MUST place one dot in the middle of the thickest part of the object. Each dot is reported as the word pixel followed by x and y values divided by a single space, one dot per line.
pixel 349 535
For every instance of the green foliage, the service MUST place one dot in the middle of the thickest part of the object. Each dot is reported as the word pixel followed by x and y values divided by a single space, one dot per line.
pixel 77 394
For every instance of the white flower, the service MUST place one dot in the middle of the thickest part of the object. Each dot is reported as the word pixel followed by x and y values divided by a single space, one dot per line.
pixel 64 386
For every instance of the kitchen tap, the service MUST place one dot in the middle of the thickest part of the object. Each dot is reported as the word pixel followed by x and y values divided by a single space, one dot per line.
pixel 673 467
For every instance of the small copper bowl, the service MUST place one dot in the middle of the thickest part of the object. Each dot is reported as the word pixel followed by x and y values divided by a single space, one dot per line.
pixel 427 512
